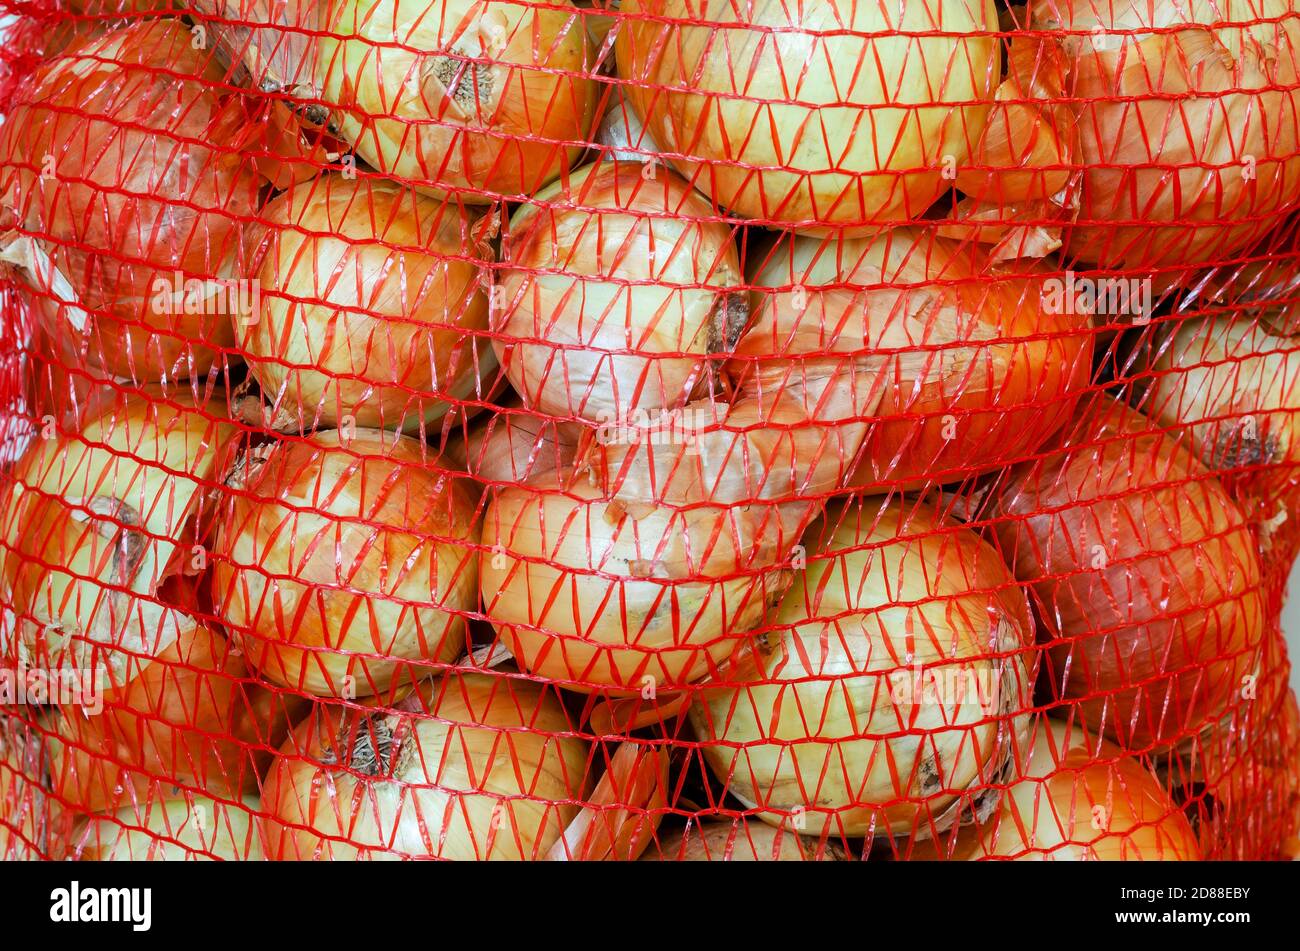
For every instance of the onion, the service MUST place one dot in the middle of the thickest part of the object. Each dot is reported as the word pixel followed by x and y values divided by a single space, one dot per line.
pixel 974 366
pixel 371 306
pixel 887 692
pixel 131 237
pixel 1235 390
pixel 512 447
pixel 1186 119
pixel 173 829
pixel 1146 576
pixel 1075 798
pixel 819 116
pixel 599 594
pixel 105 511
pixel 25 805
pixel 342 558
pixel 616 287
pixel 483 99
pixel 494 771
pixel 741 841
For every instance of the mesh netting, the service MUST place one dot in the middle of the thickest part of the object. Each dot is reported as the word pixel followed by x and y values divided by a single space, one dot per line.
pixel 676 429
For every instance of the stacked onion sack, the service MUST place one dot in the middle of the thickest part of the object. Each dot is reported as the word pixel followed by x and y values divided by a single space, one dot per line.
pixel 649 429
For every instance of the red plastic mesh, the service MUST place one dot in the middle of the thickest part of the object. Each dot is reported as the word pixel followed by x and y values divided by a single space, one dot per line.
pixel 675 428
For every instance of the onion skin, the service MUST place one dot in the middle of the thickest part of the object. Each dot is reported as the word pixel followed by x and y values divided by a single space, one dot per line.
pixel 761 117
pixel 741 841
pixel 171 830
pixel 113 115
pixel 602 595
pixel 975 371
pixel 346 562
pixel 1076 799
pixel 1166 177
pixel 372 302
pixel 523 101
pixel 1146 577
pixel 26 808
pixel 1235 390
pixel 489 744
pixel 831 721
pixel 106 509
pixel 508 448
pixel 615 288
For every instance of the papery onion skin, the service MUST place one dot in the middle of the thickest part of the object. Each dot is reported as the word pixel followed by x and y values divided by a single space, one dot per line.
pixel 372 303
pixel 889 684
pixel 344 559
pixel 1186 121
pixel 107 506
pixel 508 448
pixel 977 368
pixel 604 595
pixel 1145 574
pixel 488 746
pixel 1075 798
pixel 171 829
pixel 1235 390
pixel 523 97
pixel 26 807
pixel 820 132
pixel 143 189
pixel 614 288
pixel 740 841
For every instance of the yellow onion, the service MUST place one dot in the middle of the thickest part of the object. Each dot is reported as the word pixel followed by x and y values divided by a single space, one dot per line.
pixel 482 767
pixel 343 558
pixel 1075 798
pixel 1145 573
pixel 614 289
pixel 98 515
pixel 514 446
pixel 821 116
pixel 1235 390
pixel 739 841
pixel 890 687
pixel 371 306
pixel 26 807
pixel 484 99
pixel 974 365
pixel 175 828
pixel 125 202
pixel 600 594
pixel 1186 122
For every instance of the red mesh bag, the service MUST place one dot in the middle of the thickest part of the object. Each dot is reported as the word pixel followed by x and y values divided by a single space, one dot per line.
pixel 661 429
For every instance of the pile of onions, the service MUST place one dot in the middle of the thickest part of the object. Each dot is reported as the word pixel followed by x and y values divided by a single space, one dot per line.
pixel 615 287
pixel 1145 573
pixel 25 806
pixel 341 558
pixel 131 234
pixel 889 688
pixel 813 115
pixel 602 594
pixel 739 841
pixel 1235 390
pixel 99 515
pixel 371 305
pixel 173 828
pixel 483 99
pixel 1076 798
pixel 970 367
pixel 494 771
pixel 1186 122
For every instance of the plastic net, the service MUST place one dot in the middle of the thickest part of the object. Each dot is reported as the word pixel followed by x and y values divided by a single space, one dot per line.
pixel 718 429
